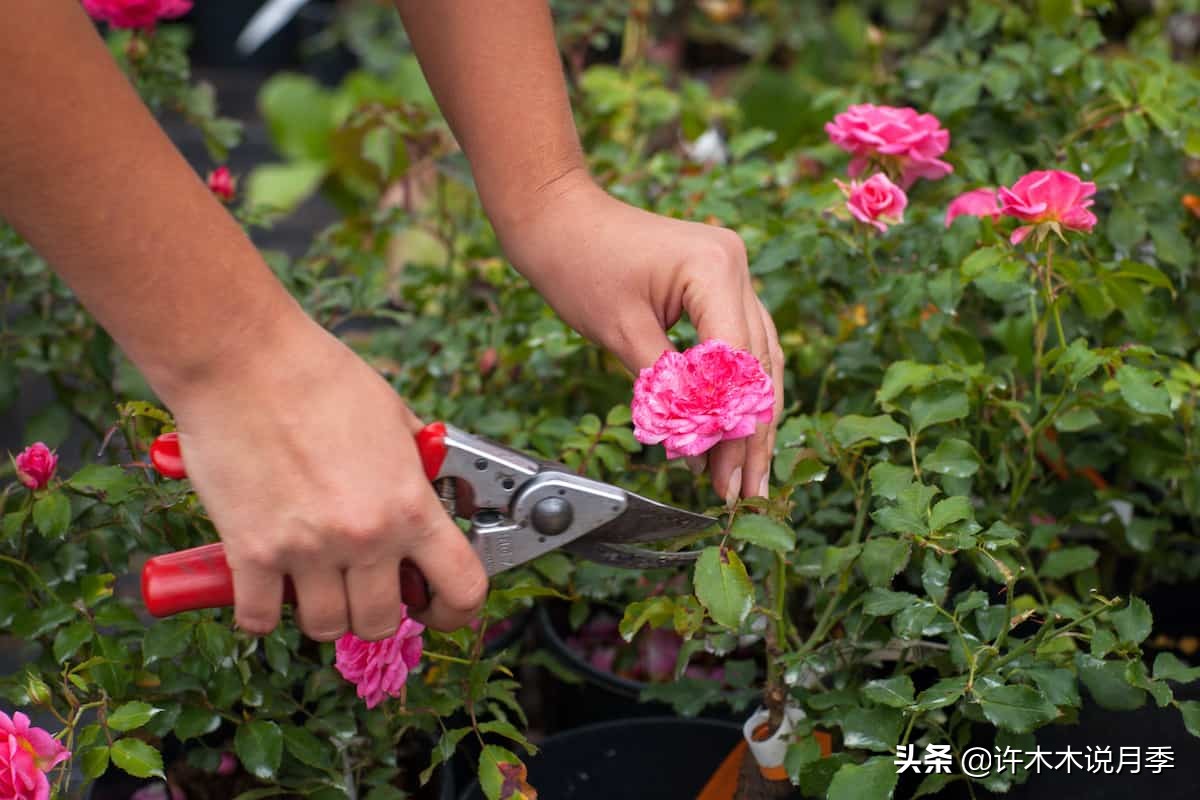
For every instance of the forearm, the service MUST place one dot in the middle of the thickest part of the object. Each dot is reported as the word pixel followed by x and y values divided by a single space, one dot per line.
pixel 495 70
pixel 92 182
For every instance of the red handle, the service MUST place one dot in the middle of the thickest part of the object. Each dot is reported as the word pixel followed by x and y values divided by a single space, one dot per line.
pixel 200 578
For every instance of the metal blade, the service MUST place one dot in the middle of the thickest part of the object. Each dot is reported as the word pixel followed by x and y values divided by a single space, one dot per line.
pixel 618 555
pixel 646 520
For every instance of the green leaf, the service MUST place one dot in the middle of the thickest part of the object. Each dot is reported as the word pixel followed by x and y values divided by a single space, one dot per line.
pixel 282 187
pixel 94 761
pixel 131 715
pixel 166 639
pixel 300 115
pixel 895 692
pixel 723 586
pixel 1019 709
pixel 491 780
pixel 800 754
pixel 68 640
pixel 763 531
pixel 1190 709
pixel 883 557
pixel 981 261
pixel 653 611
pixel 956 91
pixel 1075 420
pixel 217 643
pixel 52 514
pixel 307 748
pixel 941 694
pixel 509 731
pixel 1106 682
pixel 259 746
pixel 949 511
pixel 1168 667
pixel 854 428
pixel 1143 391
pixel 883 603
pixel 872 729
pixel 873 780
pixel 112 484
pixel 938 405
pixel 953 457
pixel 889 480
pixel 1068 560
pixel 1133 622
pixel 137 758
pixel 902 376
pixel 443 751
pixel 618 416
pixel 746 142
pixel 1078 361
pixel 195 721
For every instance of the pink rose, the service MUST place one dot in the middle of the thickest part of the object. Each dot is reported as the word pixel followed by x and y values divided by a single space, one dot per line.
pixel 658 650
pixel 26 754
pixel 222 184
pixel 897 138
pixel 36 465
pixel 975 203
pixel 380 669
pixel 876 201
pixel 228 764
pixel 1053 198
pixel 139 14
pixel 709 393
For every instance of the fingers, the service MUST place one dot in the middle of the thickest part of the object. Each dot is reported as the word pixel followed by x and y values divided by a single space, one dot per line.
pixel 755 473
pixel 321 607
pixel 457 581
pixel 257 595
pixel 777 362
pixel 373 592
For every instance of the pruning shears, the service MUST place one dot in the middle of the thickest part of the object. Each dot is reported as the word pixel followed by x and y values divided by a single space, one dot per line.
pixel 519 508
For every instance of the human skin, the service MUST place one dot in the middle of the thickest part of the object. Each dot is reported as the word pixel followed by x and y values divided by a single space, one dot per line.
pixel 270 406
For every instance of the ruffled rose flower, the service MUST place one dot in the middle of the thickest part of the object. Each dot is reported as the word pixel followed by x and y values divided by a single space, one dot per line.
pixel 1051 198
pixel 26 754
pixel 139 14
pixel 899 139
pixel 380 669
pixel 975 203
pixel 709 393
pixel 876 201
pixel 36 465
pixel 222 184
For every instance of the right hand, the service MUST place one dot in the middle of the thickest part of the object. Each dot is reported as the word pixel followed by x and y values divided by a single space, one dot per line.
pixel 305 461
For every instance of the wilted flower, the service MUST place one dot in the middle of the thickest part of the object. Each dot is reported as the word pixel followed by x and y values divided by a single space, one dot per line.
pixel 1051 198
pixel 36 465
pixel 380 669
pixel 709 393
pixel 905 142
pixel 975 203
pixel 876 201
pixel 138 14
pixel 26 754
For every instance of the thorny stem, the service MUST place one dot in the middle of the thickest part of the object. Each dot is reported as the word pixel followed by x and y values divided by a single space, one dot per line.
pixel 1051 304
pixel 775 694
pixel 1048 632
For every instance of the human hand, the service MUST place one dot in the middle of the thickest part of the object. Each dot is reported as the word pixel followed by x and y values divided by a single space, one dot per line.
pixel 622 277
pixel 306 463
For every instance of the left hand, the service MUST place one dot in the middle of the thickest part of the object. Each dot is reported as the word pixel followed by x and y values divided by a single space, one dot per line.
pixel 622 277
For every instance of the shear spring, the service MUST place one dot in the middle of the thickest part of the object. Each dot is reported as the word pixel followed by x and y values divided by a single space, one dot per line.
pixel 447 492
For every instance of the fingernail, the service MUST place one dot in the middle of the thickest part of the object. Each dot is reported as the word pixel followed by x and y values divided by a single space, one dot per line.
pixel 764 486
pixel 734 489
pixel 696 463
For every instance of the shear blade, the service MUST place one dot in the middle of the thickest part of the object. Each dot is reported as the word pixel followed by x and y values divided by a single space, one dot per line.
pixel 620 555
pixel 646 520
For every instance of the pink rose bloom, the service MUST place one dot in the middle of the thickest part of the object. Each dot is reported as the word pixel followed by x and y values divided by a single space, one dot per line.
pixel 221 183
pixel 603 658
pixel 36 465
pixel 898 137
pixel 1049 197
pixel 228 764
pixel 26 754
pixel 876 201
pixel 380 669
pixel 709 393
pixel 975 203
pixel 139 14
pixel 658 650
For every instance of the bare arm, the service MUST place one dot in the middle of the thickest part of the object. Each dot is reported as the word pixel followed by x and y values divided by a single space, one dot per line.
pixel 270 407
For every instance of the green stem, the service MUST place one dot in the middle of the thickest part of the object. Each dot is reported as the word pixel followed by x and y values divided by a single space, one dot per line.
pixel 1049 632
pixel 1051 304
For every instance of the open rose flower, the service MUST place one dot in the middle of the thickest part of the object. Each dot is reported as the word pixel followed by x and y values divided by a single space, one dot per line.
pixel 26 754
pixel 36 465
pixel 901 140
pixel 380 669
pixel 137 14
pixel 709 393
pixel 876 201
pixel 975 203
pixel 1051 198
pixel 222 184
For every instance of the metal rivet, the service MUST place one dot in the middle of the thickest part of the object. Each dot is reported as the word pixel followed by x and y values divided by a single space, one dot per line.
pixel 481 464
pixel 552 516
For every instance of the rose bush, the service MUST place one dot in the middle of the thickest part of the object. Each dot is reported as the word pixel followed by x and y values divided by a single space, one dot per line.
pixel 989 453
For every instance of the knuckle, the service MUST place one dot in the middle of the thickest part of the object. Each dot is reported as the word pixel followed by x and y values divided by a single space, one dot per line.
pixel 264 555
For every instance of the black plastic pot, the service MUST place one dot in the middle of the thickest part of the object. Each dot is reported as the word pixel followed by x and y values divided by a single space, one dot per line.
pixel 664 758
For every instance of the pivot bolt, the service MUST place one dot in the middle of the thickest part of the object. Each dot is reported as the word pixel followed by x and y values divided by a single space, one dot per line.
pixel 552 515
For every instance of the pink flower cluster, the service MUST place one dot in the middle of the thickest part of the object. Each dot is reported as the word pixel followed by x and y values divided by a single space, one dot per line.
pixel 136 14
pixel 26 755
pixel 692 400
pixel 380 669
pixel 1050 200
pixel 36 465
pixel 901 142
